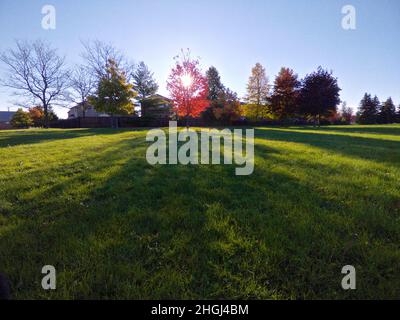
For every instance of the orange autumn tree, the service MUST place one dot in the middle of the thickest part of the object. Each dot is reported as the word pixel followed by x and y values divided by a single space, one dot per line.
pixel 188 87
pixel 37 115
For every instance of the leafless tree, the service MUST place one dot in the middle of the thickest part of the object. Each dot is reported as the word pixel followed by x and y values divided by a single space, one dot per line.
pixel 35 71
pixel 97 55
pixel 82 85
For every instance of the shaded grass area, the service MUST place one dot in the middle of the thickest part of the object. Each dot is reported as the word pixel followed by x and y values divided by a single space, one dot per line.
pixel 87 202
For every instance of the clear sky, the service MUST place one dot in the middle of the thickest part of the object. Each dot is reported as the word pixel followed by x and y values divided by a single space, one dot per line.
pixel 232 35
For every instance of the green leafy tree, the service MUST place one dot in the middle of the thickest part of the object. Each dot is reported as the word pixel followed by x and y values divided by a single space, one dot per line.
pixel 387 112
pixel 255 112
pixel 215 87
pixel 284 98
pixel 143 81
pixel 21 119
pixel 114 94
pixel 319 95
pixel 368 111
pixel 257 92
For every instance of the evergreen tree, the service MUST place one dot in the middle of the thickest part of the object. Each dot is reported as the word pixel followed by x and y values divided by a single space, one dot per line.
pixel 143 81
pixel 319 94
pixel 52 115
pixel 21 119
pixel 284 98
pixel 368 111
pixel 215 87
pixel 398 114
pixel 387 112
pixel 114 94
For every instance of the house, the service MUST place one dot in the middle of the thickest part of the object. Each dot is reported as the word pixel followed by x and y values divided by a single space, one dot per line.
pixel 79 111
pixel 157 107
pixel 89 111
pixel 5 118
pixel 154 107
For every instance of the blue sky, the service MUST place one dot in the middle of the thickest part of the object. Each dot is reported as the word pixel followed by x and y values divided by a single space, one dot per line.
pixel 232 35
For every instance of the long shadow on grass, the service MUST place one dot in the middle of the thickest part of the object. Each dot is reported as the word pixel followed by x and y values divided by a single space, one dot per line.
pixel 186 232
pixel 13 138
pixel 371 129
pixel 60 220
pixel 379 150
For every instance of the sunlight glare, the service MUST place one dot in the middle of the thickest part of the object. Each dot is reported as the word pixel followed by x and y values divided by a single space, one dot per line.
pixel 186 80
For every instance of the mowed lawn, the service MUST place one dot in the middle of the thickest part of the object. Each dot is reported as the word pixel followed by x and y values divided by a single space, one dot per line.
pixel 87 202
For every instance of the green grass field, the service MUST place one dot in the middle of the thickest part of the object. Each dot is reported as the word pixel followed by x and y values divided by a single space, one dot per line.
pixel 87 202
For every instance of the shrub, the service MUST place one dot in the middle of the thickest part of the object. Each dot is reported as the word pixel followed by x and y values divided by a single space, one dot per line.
pixel 21 119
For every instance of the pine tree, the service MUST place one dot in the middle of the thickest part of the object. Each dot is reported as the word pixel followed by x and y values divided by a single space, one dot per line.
pixel 215 87
pixel 143 81
pixel 368 111
pixel 398 114
pixel 387 112
pixel 114 94
pixel 284 98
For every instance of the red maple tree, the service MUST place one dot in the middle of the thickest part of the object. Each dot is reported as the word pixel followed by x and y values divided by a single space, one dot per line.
pixel 188 86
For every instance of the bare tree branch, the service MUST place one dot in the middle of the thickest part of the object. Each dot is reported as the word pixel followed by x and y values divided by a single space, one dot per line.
pixel 36 71
pixel 97 54
pixel 82 85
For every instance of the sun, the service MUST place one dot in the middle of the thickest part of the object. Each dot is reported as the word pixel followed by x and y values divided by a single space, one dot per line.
pixel 186 80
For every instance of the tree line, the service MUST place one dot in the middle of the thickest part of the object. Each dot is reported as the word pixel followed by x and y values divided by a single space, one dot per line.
pixel 314 99
pixel 373 112
pixel 106 80
pixel 288 99
pixel 111 83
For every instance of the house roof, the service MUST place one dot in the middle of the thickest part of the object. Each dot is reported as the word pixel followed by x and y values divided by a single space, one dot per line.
pixel 159 96
pixel 79 105
pixel 6 116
